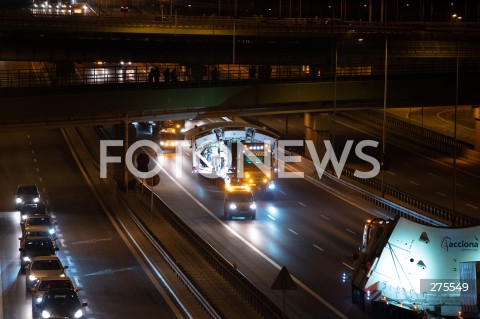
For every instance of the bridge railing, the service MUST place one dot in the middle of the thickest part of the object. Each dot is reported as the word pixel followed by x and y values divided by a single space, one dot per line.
pixel 230 74
pixel 202 75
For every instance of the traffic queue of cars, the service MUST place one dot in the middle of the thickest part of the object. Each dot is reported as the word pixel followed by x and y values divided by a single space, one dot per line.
pixel 53 292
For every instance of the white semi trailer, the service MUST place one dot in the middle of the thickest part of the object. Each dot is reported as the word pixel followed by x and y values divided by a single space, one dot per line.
pixel 423 268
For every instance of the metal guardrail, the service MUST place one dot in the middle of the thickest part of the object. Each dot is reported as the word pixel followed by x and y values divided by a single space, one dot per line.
pixel 240 283
pixel 429 138
pixel 258 24
pixel 343 188
pixel 431 209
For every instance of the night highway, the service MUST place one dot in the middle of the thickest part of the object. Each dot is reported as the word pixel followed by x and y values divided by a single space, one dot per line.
pixel 249 73
pixel 112 280
pixel 413 168
pixel 309 230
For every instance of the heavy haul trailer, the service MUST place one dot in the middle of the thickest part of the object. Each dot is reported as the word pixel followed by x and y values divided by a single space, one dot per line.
pixel 235 155
pixel 405 266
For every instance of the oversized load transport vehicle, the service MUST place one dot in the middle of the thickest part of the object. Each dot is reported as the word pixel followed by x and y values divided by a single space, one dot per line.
pixel 235 154
pixel 420 267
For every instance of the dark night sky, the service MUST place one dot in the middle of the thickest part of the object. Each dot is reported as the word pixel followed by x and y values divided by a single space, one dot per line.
pixel 396 10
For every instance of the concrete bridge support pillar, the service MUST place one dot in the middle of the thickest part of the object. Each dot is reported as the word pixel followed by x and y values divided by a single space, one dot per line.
pixel 125 132
pixel 317 129
pixel 476 116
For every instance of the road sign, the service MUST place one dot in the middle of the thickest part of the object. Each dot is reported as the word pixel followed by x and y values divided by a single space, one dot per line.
pixel 284 281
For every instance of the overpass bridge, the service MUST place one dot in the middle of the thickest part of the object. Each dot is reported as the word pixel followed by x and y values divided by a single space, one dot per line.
pixel 339 64
pixel 60 106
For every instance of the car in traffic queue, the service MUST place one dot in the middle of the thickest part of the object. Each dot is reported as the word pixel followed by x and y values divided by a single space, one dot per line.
pixel 43 284
pixel 26 193
pixel 37 233
pixel 40 222
pixel 43 266
pixel 31 208
pixel 61 303
pixel 34 246
pixel 239 202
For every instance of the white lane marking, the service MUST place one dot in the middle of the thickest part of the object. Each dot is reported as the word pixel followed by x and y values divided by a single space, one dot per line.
pixel 391 173
pixel 283 192
pixel 188 154
pixel 44 190
pixel 271 217
pixel 441 194
pixel 91 241
pixel 40 179
pixel 459 185
pixel 293 231
pixel 28 135
pixel 414 183
pixel 255 249
pixel 432 174
pixel 38 170
pixel 319 248
pixel 302 204
pixel 350 231
pixel 87 309
pixel 69 261
pixel 34 160
pixel 77 281
pixel 33 152
pixel 472 206
pixel 325 217
pixel 30 143
pixel 347 265
pixel 62 241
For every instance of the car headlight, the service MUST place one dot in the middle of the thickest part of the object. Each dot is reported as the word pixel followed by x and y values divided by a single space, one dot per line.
pixel 62 275
pixel 26 259
pixel 232 206
pixel 253 206
pixel 24 217
pixel 51 231
pixel 18 200
pixel 38 300
pixel 36 200
pixel 271 185
pixel 45 314
pixel 78 314
pixel 32 278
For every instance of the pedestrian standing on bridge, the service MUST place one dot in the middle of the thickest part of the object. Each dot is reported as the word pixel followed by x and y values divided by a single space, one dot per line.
pixel 151 75
pixel 252 72
pixel 174 75
pixel 156 74
pixel 166 74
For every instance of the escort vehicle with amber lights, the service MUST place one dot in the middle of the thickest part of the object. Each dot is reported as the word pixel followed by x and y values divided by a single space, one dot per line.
pixel 168 139
pixel 408 266
pixel 239 202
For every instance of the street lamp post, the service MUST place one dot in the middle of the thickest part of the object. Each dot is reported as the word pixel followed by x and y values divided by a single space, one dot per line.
pixel 384 144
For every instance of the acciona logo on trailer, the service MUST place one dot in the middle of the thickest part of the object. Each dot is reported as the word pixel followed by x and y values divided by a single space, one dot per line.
pixel 448 243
